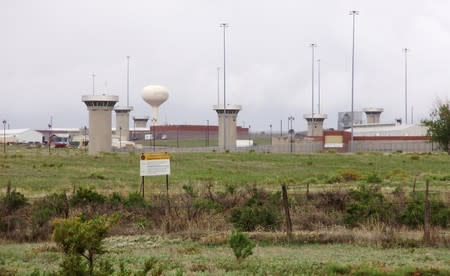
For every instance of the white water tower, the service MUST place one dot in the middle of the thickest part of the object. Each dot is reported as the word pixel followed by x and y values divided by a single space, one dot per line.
pixel 155 95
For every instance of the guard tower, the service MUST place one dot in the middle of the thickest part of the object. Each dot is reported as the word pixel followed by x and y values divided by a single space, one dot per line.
pixel 227 125
pixel 100 121
pixel 141 121
pixel 123 122
pixel 373 115
pixel 315 123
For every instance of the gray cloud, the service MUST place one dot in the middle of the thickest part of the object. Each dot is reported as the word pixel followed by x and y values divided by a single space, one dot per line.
pixel 50 49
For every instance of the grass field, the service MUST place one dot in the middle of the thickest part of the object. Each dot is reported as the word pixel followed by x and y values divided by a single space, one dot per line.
pixel 190 257
pixel 35 172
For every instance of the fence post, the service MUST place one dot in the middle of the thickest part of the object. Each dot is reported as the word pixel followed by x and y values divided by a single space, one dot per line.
pixel 286 211
pixel 426 219
pixel 307 190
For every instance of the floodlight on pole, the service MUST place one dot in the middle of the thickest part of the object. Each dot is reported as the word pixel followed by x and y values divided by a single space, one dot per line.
pixel 128 80
pixel 405 51
pixel 353 14
pixel 218 86
pixel 318 86
pixel 313 45
pixel 4 136
pixel 224 26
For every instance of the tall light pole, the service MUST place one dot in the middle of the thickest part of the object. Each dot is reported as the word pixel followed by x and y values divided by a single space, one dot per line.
pixel 290 129
pixel 128 80
pixel 207 133
pixel 4 136
pixel 49 136
pixel 218 86
pixel 353 14
pixel 85 141
pixel 120 138
pixel 313 45
pixel 270 134
pixel 318 86
pixel 405 51
pixel 224 26
pixel 93 84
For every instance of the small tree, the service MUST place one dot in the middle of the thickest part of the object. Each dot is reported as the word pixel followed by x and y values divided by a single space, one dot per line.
pixel 242 246
pixel 439 125
pixel 81 239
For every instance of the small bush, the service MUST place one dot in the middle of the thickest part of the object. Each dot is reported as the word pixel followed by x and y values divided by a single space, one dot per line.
pixel 85 196
pixel 367 204
pixel 135 200
pixel 415 157
pixel 413 214
pixel 242 246
pixel 259 210
pixel 247 218
pixel 82 242
pixel 335 179
pixel 350 175
pixel 207 205
pixel 373 178
pixel 116 198
pixel 12 201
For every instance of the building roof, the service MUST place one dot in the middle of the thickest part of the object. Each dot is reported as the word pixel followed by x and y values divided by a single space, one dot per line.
pixel 389 130
pixel 17 131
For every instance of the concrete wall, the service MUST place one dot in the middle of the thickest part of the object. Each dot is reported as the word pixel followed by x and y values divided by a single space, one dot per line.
pixel 140 123
pixel 392 146
pixel 100 136
pixel 230 132
pixel 123 120
pixel 283 144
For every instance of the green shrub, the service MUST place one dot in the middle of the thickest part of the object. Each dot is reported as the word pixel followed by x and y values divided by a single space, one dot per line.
pixel 373 178
pixel 260 209
pixel 40 216
pixel 188 189
pixel 335 179
pixel 367 203
pixel 11 201
pixel 415 157
pixel 135 200
pixel 116 198
pixel 81 241
pixel 247 218
pixel 85 196
pixel 208 205
pixel 350 175
pixel 242 246
pixel 413 214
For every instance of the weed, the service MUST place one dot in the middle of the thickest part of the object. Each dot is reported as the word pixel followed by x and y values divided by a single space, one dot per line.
pixel 350 175
pixel 84 196
pixel 242 246
pixel 373 178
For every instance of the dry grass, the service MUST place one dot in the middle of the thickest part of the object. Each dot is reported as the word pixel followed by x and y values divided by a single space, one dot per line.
pixel 381 237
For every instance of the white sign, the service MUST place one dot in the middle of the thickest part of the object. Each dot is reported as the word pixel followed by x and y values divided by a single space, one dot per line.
pixel 155 167
pixel 148 137
pixel 334 145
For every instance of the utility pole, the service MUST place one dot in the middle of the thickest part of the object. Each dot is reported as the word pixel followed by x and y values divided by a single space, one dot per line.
pixel 353 14
pixel 405 51
pixel 224 26
pixel 313 45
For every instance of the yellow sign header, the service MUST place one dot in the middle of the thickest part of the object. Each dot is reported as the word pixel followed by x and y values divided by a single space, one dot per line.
pixel 154 155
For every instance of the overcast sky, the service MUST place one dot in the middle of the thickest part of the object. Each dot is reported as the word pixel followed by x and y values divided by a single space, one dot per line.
pixel 50 49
